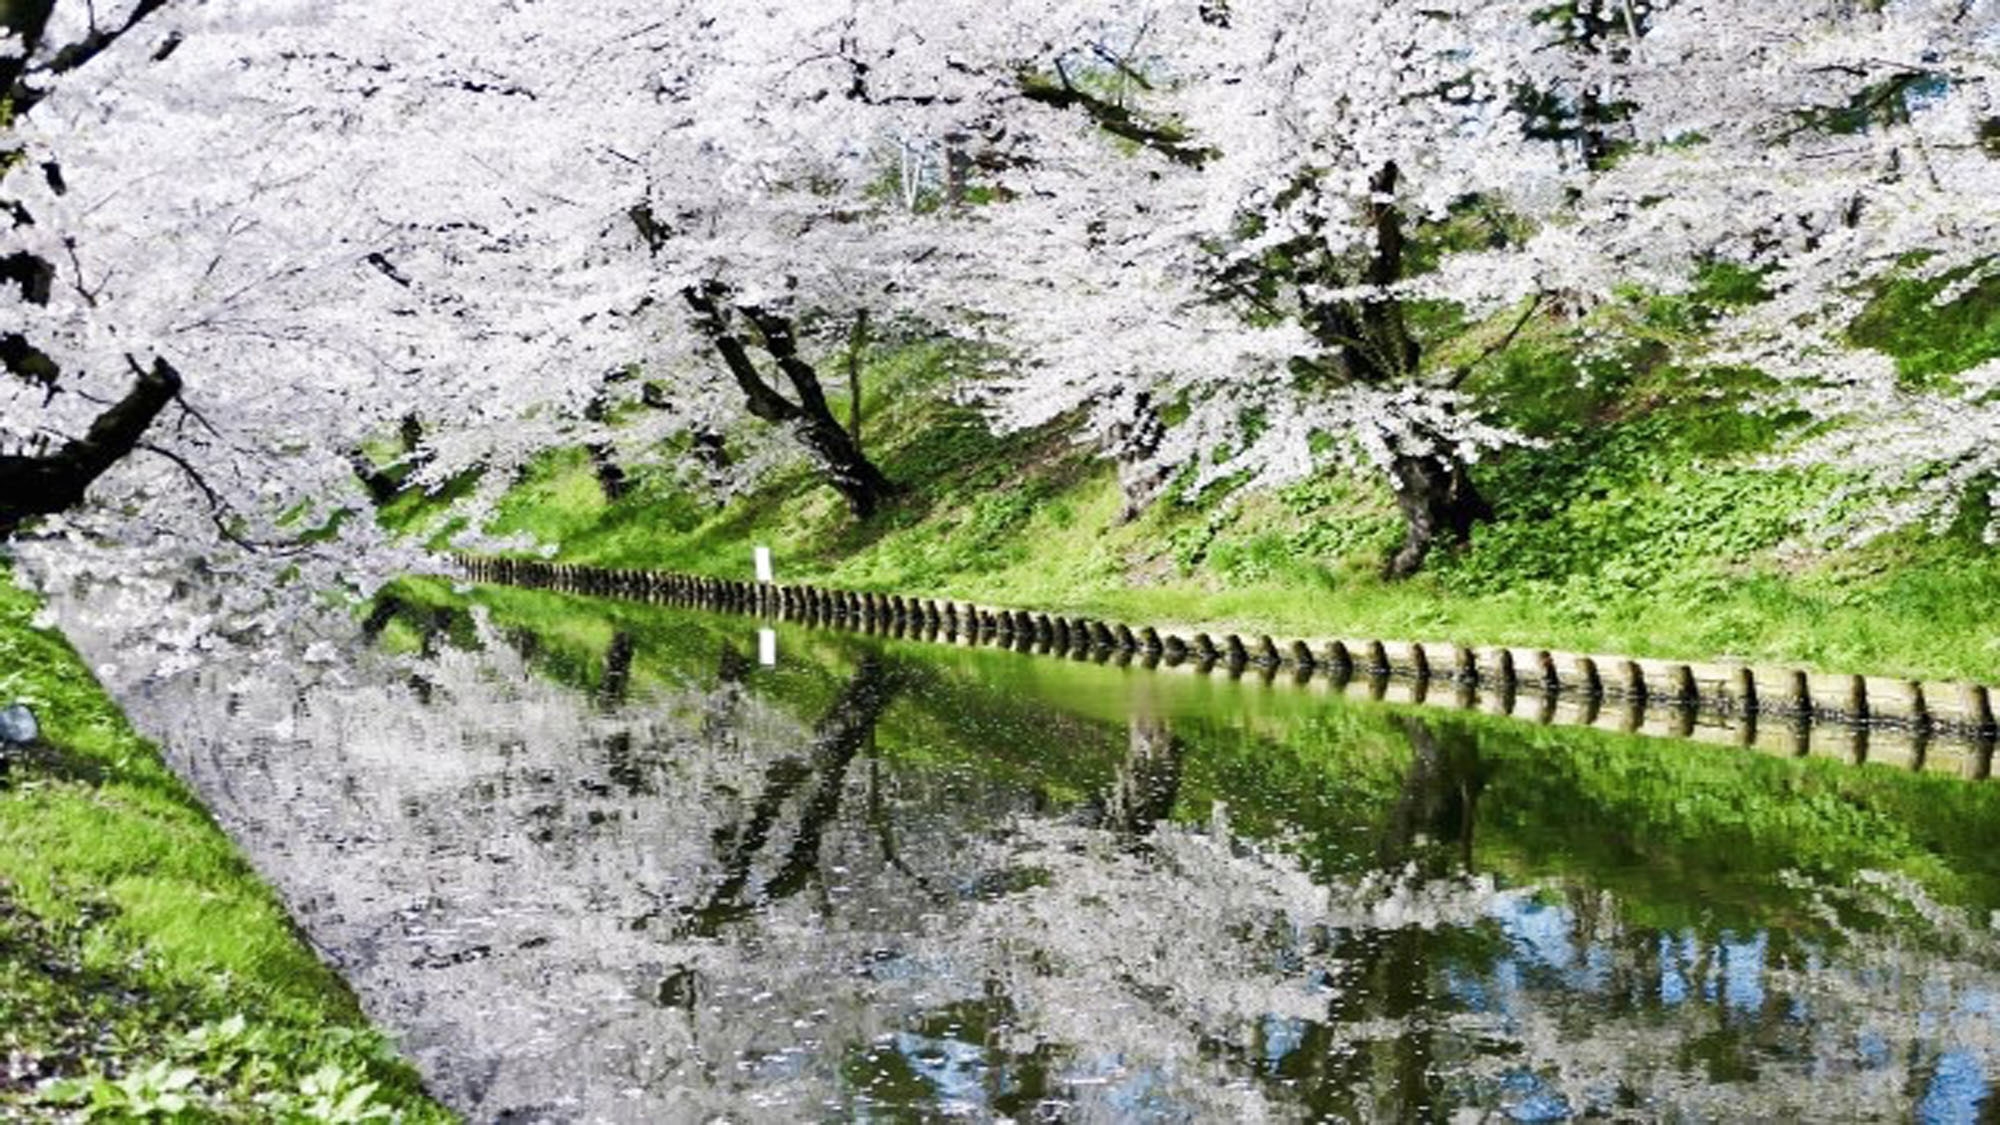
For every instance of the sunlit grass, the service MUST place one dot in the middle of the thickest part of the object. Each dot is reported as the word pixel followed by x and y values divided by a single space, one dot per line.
pixel 106 858
pixel 1643 523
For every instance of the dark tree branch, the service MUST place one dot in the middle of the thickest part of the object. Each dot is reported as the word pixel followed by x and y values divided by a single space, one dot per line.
pixel 810 419
pixel 1121 66
pixel 1167 140
pixel 29 362
pixel 713 320
pixel 40 486
pixel 382 487
pixel 29 19
pixel 1464 371
pixel 218 508
pixel 1381 316
pixel 387 268
pixel 784 348
pixel 839 736
pixel 651 230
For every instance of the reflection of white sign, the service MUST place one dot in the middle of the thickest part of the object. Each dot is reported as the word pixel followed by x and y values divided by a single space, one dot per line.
pixel 767 647
pixel 763 564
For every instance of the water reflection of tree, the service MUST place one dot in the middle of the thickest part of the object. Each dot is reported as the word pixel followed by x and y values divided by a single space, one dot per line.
pixel 1381 977
pixel 616 682
pixel 1149 776
pixel 1205 966
pixel 837 738
pixel 1431 824
pixel 722 707
pixel 436 625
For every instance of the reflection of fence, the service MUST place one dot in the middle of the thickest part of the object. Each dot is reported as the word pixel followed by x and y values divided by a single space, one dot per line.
pixel 1872 718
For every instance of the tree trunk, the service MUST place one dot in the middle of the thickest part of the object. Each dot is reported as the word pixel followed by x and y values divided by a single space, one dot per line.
pixel 848 470
pixel 857 342
pixel 610 475
pixel 386 483
pixel 1371 344
pixel 957 167
pixel 1149 780
pixel 711 452
pixel 1134 441
pixel 40 486
pixel 1440 504
pixel 382 488
pixel 811 420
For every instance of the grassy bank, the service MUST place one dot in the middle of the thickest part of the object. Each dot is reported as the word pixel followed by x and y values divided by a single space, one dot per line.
pixel 145 971
pixel 1646 519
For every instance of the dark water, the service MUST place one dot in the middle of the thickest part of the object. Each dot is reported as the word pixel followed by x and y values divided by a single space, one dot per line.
pixel 598 861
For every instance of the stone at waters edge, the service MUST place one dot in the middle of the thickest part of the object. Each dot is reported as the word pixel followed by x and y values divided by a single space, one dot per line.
pixel 18 725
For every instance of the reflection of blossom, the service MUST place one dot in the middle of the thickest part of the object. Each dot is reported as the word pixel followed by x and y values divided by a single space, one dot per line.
pixel 506 869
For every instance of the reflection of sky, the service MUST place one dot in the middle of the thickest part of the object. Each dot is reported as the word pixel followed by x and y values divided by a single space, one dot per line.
pixel 1743 972
pixel 1729 973
pixel 1957 1087
pixel 962 1077
pixel 1732 972
pixel 1282 1036
pixel 1526 1097
pixel 956 1070
pixel 1142 1093
pixel 1540 929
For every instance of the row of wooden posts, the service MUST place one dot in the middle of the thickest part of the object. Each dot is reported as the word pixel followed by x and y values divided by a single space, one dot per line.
pixel 1740 691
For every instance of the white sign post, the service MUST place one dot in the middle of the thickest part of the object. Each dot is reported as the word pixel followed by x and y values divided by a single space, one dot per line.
pixel 767 639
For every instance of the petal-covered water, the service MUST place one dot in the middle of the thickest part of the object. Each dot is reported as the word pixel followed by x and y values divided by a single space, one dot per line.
pixel 600 861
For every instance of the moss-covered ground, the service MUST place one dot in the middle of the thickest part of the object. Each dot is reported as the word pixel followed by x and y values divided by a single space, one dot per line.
pixel 145 971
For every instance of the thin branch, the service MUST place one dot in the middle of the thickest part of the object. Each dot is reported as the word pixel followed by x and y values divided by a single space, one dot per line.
pixel 76 266
pixel 218 507
pixel 1465 371
pixel 1121 66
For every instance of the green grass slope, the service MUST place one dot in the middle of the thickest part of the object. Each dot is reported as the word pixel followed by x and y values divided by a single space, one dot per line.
pixel 1645 520
pixel 145 970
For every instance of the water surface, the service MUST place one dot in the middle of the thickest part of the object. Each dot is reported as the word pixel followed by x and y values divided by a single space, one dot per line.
pixel 594 860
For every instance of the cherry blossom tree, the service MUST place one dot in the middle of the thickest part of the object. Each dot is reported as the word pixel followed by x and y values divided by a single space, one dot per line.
pixel 303 227
pixel 1830 148
pixel 1192 230
pixel 36 51
pixel 1250 266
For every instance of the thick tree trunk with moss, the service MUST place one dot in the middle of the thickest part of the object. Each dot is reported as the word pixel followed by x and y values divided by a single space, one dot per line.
pixel 1440 505
pixel 848 470
pixel 1372 338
